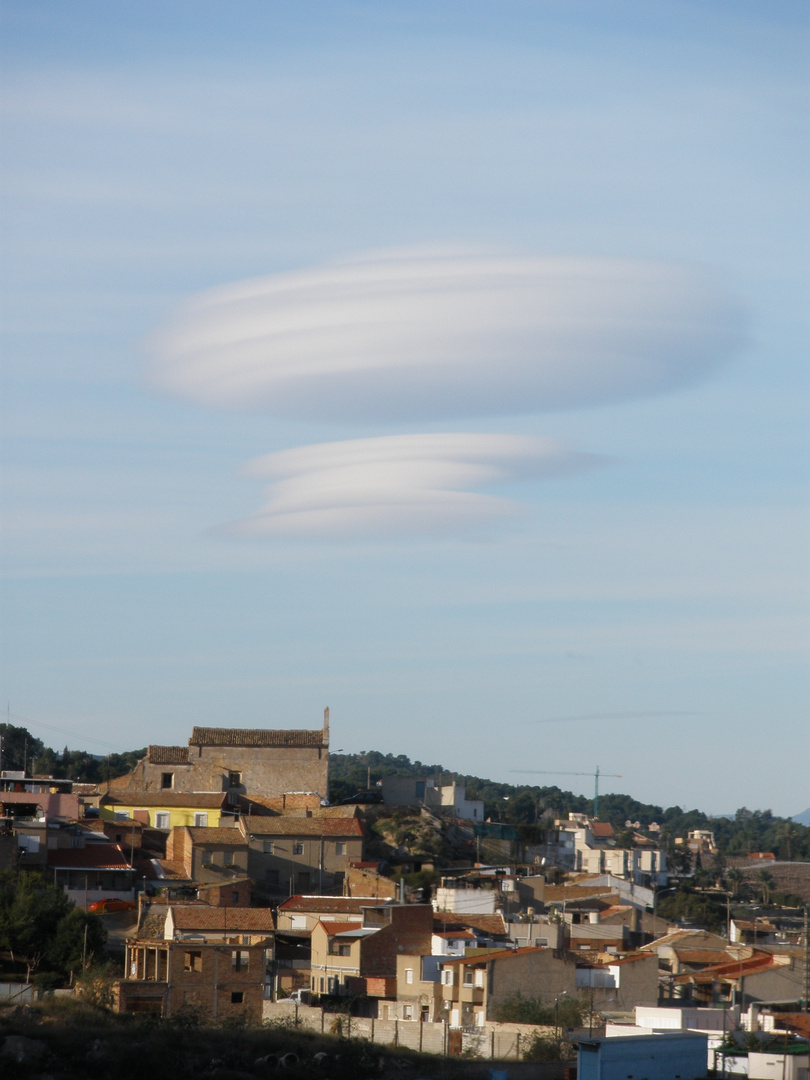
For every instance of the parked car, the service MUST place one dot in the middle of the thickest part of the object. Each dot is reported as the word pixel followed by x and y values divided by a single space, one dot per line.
pixel 297 997
pixel 110 904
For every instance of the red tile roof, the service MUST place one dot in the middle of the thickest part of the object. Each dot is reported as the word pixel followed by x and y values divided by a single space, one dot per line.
pixel 205 800
pixel 213 835
pixel 253 737
pixel 631 959
pixel 329 905
pixel 492 925
pixel 168 755
pixel 495 954
pixel 92 857
pixel 735 969
pixel 190 917
pixel 290 825
pixel 333 928
pixel 602 828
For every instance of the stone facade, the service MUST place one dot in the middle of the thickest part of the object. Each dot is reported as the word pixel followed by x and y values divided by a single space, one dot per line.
pixel 218 981
pixel 261 763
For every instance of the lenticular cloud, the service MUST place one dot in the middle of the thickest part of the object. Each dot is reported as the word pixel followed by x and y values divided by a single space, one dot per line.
pixel 425 335
pixel 401 485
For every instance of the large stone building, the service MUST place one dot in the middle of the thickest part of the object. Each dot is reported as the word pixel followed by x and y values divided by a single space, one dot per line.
pixel 261 763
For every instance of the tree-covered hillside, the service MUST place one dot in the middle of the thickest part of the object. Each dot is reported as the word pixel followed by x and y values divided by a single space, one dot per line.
pixel 525 804
pixel 516 804
pixel 21 750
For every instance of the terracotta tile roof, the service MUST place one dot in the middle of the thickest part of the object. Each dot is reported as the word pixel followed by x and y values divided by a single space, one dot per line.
pixel 703 956
pixel 168 755
pixel 213 835
pixel 631 958
pixel 492 925
pixel 614 909
pixel 731 969
pixel 333 928
pixel 205 800
pixel 289 825
pixel 169 870
pixel 253 737
pixel 93 857
pixel 190 917
pixel 602 829
pixel 329 905
pixel 494 954
pixel 450 935
pixel 799 1022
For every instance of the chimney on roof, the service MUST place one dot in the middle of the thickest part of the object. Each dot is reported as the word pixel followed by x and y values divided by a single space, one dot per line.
pixel 326 727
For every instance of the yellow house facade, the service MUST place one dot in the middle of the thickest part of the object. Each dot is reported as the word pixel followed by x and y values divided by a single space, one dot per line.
pixel 166 810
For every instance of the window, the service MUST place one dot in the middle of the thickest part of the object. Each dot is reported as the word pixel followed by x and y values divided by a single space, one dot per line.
pixel 192 961
pixel 234 779
pixel 161 820
pixel 419 789
pixel 340 948
pixel 340 847
pixel 468 977
pixel 298 922
pixel 240 959
pixel 479 977
pixel 541 942
pixel 121 815
pixel 237 997
pixel 409 975
pixel 234 897
pixel 167 780
pixel 298 848
pixel 447 976
pixel 201 821
pixel 227 858
pixel 269 847
pixel 407 1012
pixel 206 858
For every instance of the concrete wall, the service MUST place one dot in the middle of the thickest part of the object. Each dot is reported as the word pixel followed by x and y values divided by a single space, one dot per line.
pixel 533 974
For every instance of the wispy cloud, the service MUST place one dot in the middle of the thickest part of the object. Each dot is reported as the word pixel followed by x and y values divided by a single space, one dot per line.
pixel 426 334
pixel 402 485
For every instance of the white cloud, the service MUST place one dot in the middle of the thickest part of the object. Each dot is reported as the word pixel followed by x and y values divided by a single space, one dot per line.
pixel 397 486
pixel 440 334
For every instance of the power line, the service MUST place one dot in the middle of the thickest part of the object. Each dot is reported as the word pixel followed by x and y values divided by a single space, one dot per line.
pixel 66 731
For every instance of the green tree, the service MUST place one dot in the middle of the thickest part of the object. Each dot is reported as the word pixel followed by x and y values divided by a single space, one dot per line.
pixel 40 926
pixel 19 747
pixel 735 879
pixel 766 883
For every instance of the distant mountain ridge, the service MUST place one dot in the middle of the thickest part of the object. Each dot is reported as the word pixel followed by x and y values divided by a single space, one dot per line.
pixel 803 818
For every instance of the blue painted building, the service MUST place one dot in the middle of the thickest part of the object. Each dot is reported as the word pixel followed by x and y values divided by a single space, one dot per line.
pixel 677 1055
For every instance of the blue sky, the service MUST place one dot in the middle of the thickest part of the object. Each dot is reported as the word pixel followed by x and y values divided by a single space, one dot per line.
pixel 444 364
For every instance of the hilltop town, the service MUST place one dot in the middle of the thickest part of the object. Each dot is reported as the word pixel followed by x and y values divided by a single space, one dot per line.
pixel 233 891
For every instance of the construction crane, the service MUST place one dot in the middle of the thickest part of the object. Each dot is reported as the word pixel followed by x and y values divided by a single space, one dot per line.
pixel 595 775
